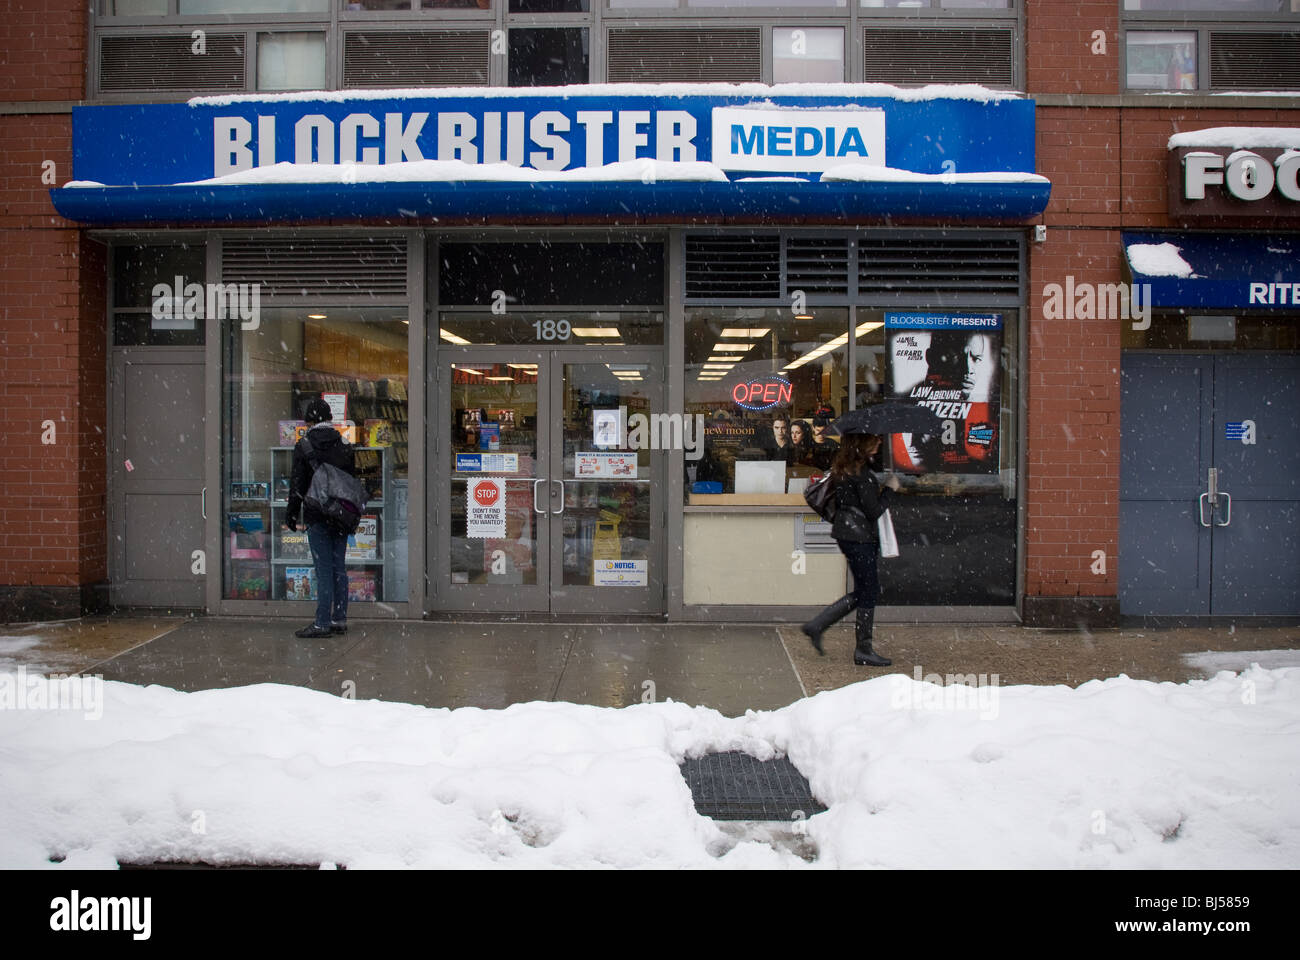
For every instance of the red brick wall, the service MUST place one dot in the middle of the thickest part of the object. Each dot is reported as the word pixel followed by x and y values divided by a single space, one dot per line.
pixel 52 337
pixel 1059 43
pixel 43 49
pixel 1108 173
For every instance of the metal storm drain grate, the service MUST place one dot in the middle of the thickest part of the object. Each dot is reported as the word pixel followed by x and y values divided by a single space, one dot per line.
pixel 735 786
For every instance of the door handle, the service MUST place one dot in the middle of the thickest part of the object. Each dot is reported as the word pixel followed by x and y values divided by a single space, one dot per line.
pixel 1201 511
pixel 1228 513
pixel 536 508
pixel 203 502
pixel 556 513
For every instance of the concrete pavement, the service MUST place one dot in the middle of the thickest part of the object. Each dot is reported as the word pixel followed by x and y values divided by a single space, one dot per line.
pixel 730 667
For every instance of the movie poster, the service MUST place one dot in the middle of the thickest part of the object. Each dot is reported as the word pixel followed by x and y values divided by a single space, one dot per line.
pixel 950 363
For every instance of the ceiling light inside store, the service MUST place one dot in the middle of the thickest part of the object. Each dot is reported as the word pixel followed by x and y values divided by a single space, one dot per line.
pixel 500 378
pixel 733 347
pixel 522 366
pixel 745 332
pixel 315 316
pixel 824 349
pixel 467 370
pixel 596 332
pixel 868 327
pixel 728 358
pixel 452 338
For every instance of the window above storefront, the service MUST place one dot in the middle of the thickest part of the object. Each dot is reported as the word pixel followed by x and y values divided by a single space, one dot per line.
pixel 1219 45
pixel 144 48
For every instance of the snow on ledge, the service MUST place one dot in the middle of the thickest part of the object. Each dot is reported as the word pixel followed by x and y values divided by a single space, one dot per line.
pixel 865 172
pixel 1238 138
pixel 934 91
pixel 1158 260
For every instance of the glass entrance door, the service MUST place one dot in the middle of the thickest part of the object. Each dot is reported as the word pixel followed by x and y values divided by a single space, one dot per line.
pixel 551 467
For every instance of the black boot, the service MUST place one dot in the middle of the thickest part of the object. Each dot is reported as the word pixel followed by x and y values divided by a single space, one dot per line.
pixel 863 655
pixel 818 625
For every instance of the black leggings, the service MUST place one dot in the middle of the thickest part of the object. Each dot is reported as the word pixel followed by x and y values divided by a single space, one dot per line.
pixel 862 562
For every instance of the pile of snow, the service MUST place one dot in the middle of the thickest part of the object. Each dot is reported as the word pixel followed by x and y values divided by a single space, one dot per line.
pixel 1158 260
pixel 1116 773
pixel 1239 138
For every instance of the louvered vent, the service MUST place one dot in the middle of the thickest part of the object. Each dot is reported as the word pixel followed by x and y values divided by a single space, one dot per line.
pixel 939 266
pixel 308 267
pixel 1254 61
pixel 938 56
pixel 737 268
pixel 426 58
pixel 817 265
pixel 129 64
pixel 653 55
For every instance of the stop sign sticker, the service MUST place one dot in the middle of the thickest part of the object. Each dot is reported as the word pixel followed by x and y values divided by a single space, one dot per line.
pixel 485 507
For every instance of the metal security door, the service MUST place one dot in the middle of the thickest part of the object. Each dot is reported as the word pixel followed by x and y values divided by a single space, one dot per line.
pixel 1165 453
pixel 1210 485
pixel 1256 523
pixel 158 503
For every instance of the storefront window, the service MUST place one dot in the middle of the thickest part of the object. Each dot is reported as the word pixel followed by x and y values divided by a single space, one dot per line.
pixel 357 360
pixel 548 56
pixel 291 61
pixel 958 518
pixel 767 384
pixel 1199 333
pixel 159 297
pixel 1161 60
pixel 254 6
pixel 807 55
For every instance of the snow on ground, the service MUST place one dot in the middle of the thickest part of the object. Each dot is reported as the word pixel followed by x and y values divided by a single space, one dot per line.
pixel 1116 773
pixel 10 646
pixel 1213 661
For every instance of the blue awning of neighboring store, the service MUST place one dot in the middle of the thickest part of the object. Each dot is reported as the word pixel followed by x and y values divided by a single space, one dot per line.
pixel 1222 271
pixel 684 201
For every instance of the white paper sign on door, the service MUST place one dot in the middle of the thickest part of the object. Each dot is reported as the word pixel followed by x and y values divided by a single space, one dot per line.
pixel 485 508
pixel 619 573
pixel 617 466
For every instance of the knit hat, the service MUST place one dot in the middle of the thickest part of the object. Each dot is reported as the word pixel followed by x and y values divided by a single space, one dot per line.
pixel 317 411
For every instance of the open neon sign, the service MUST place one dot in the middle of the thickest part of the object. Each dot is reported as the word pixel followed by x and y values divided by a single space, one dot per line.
pixel 763 393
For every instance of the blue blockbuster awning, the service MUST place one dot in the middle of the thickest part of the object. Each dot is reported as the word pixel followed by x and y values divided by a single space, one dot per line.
pixel 1233 271
pixel 679 153
pixel 684 201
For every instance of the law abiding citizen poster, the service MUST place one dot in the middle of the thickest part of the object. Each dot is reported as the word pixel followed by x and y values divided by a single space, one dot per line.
pixel 950 363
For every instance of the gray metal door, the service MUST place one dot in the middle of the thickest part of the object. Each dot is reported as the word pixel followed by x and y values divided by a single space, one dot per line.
pixel 156 493
pixel 1210 485
pixel 1256 550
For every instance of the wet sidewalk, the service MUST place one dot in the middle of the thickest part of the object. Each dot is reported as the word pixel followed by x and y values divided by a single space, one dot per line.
pixel 729 667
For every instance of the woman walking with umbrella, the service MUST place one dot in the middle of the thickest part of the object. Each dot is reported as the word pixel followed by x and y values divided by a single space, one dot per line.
pixel 860 500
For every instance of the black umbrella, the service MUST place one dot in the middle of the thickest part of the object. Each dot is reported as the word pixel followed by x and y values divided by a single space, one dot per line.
pixel 888 417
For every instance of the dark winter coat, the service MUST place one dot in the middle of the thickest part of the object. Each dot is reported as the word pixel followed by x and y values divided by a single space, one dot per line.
pixel 860 500
pixel 328 447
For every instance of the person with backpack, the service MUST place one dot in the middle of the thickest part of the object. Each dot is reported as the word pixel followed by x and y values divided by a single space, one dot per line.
pixel 321 445
pixel 859 500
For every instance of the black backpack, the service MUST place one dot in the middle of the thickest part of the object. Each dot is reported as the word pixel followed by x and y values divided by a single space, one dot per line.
pixel 339 496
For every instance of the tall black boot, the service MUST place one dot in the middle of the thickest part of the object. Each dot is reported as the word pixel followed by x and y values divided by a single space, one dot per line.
pixel 836 612
pixel 863 655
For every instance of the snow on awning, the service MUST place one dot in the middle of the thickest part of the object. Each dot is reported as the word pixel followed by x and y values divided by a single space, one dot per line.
pixel 1245 271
